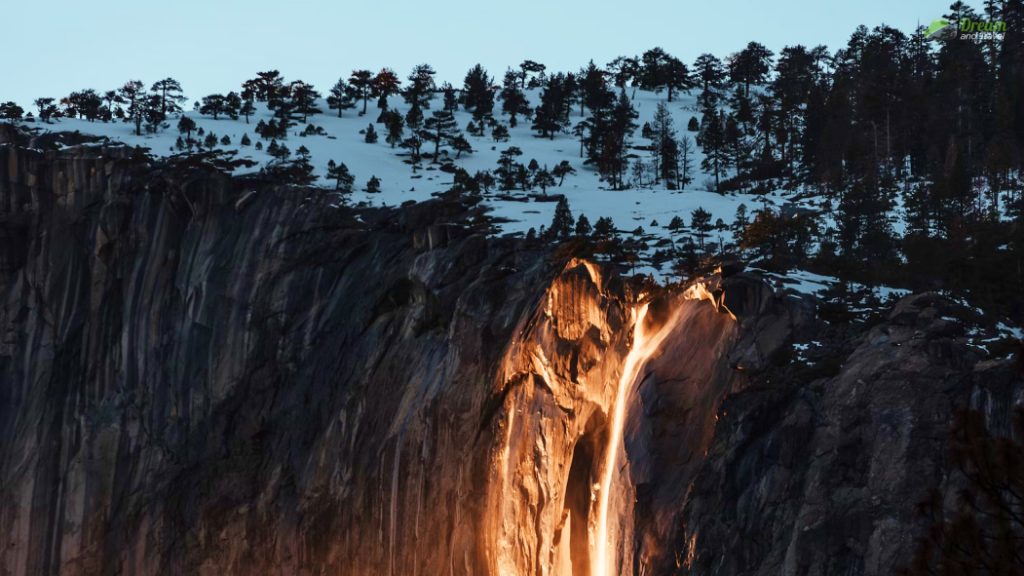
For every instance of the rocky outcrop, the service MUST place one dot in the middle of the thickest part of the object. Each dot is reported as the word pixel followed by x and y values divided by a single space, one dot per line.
pixel 206 375
pixel 822 475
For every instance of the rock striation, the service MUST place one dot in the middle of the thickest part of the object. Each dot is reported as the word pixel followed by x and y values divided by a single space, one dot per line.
pixel 216 376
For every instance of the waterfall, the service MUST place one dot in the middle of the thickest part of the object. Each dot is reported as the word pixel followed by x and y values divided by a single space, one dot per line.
pixel 645 343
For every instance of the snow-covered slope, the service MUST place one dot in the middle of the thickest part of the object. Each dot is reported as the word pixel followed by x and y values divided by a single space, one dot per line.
pixel 587 194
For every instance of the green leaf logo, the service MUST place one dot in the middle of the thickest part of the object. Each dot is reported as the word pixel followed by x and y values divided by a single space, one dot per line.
pixel 935 27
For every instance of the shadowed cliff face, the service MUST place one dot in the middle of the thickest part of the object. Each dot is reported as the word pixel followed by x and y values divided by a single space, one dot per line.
pixel 201 375
pixel 207 376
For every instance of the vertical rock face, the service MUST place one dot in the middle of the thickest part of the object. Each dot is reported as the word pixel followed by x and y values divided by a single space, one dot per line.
pixel 201 375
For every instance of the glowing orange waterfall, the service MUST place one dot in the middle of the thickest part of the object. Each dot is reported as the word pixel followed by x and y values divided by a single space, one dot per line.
pixel 643 346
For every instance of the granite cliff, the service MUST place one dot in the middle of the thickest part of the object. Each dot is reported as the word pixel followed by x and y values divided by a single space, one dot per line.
pixel 210 375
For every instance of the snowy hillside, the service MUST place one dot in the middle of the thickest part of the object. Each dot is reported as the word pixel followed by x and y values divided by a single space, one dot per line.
pixel 343 141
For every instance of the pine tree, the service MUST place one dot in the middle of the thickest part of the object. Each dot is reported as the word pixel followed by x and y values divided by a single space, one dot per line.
pixel 414 117
pixel 700 221
pixel 385 85
pixel 528 67
pixel 133 95
pixel 371 135
pixel 750 66
pixel 343 179
pixel 170 94
pixel 677 77
pixel 303 99
pixel 594 86
pixel 685 161
pixel 712 139
pixel 247 108
pixel 608 140
pixel 513 101
pixel 623 71
pixel 543 179
pixel 583 227
pixel 232 105
pixel 110 98
pixel 499 133
pixel 508 167
pixel 550 117
pixel 11 111
pixel 561 170
pixel 265 86
pixel 362 82
pixel 450 98
pixel 666 147
pixel 373 185
pixel 213 105
pixel 461 146
pixel 562 224
pixel 339 97
pixel 395 124
pixel 477 92
pixel 186 126
pixel 414 144
pixel 740 222
pixel 421 87
pixel 604 227
pixel 708 72
pixel 440 129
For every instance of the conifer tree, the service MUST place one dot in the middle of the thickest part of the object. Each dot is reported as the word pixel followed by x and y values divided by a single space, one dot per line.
pixel 186 126
pixel 170 94
pixel 543 179
pixel 303 99
pixel 135 98
pixel 266 85
pixel 247 108
pixel 685 161
pixel 213 105
pixel 562 224
pixel 385 85
pixel 339 97
pixel 666 147
pixel 583 227
pixel 561 170
pixel 421 87
pixel 232 105
pixel 700 221
pixel 478 92
pixel 604 227
pixel 513 101
pixel 712 140
pixel 508 167
pixel 11 111
pixel 461 146
pixel 750 66
pixel 550 117
pixel 343 179
pixel 708 72
pixel 362 82
pixel 451 99
pixel 528 67
pixel 394 124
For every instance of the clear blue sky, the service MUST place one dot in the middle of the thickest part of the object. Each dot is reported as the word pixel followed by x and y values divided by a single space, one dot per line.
pixel 58 46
